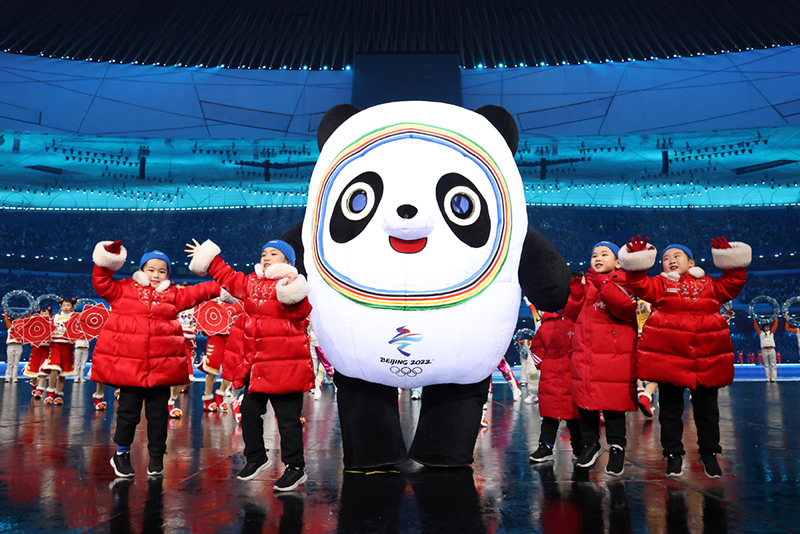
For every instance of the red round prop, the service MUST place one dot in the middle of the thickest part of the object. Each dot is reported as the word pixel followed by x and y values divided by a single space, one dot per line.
pixel 213 319
pixel 37 330
pixel 16 328
pixel 73 331
pixel 92 320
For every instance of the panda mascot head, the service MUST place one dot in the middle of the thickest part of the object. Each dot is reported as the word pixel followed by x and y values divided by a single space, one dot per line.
pixel 412 240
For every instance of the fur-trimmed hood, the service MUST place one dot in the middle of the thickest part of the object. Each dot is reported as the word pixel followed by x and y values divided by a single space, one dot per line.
pixel 696 272
pixel 141 278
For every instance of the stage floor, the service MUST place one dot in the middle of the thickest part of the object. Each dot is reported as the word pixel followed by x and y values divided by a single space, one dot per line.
pixel 55 475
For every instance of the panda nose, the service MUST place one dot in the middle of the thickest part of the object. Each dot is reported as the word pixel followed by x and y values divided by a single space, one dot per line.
pixel 406 211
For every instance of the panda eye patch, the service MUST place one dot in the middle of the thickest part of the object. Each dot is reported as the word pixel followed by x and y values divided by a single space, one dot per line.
pixel 356 206
pixel 464 209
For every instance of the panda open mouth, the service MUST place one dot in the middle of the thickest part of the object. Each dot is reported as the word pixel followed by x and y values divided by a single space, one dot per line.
pixel 407 247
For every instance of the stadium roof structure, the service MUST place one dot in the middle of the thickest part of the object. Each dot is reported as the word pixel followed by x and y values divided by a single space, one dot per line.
pixel 319 34
pixel 744 167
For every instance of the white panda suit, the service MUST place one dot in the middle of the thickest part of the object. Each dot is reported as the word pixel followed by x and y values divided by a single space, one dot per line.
pixel 414 239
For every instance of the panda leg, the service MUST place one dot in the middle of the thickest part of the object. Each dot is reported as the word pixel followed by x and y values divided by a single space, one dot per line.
pixel 370 423
pixel 449 422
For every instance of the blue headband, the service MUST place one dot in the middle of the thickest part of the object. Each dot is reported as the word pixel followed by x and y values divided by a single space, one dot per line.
pixel 155 255
pixel 614 248
pixel 283 247
pixel 679 247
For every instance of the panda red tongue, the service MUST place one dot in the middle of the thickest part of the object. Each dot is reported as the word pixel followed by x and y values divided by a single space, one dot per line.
pixel 407 247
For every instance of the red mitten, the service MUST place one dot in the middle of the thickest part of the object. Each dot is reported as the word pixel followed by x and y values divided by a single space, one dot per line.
pixel 637 245
pixel 593 278
pixel 576 288
pixel 114 247
pixel 720 242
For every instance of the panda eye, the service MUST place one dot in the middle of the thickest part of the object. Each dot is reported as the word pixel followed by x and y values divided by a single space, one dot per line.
pixel 357 201
pixel 462 206
pixel 464 209
pixel 356 206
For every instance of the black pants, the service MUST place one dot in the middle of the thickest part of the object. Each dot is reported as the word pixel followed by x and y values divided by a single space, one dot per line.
pixel 449 423
pixel 288 409
pixel 156 411
pixel 706 419
pixel 590 427
pixel 550 429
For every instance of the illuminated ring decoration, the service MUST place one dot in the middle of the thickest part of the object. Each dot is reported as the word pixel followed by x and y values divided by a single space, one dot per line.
pixel 85 302
pixel 724 307
pixel 776 308
pixel 18 293
pixel 518 335
pixel 48 296
pixel 788 316
pixel 406 371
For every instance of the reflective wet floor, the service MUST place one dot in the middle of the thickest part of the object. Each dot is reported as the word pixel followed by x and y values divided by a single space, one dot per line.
pixel 55 475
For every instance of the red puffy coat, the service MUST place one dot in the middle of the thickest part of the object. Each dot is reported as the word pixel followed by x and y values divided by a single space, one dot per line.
pixel 603 348
pixel 276 349
pixel 553 345
pixel 686 341
pixel 142 342
pixel 234 349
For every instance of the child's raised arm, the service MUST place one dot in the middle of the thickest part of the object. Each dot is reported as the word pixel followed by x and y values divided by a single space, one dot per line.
pixel 108 257
pixel 206 260
pixel 636 257
pixel 732 258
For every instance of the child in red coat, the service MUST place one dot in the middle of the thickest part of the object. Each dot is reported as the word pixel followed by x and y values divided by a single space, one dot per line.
pixel 686 342
pixel 141 348
pixel 277 363
pixel 603 365
pixel 551 351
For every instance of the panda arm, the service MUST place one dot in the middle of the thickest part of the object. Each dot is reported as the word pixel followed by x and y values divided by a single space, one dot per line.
pixel 543 273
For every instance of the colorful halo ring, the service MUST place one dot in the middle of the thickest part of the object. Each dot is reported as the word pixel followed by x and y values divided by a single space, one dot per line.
pixel 15 312
pixel 776 308
pixel 791 319
pixel 401 300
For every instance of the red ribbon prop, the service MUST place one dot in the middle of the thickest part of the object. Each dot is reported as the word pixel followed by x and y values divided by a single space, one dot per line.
pixel 213 318
pixel 37 330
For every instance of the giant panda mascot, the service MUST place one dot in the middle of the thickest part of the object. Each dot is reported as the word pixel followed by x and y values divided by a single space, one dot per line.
pixel 417 249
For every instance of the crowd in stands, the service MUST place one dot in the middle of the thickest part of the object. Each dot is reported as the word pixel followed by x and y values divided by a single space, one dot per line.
pixel 573 230
pixel 768 231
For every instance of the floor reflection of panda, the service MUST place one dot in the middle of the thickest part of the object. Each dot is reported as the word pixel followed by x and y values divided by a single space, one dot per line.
pixel 417 249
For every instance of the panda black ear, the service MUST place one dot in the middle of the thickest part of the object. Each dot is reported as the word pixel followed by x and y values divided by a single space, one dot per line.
pixel 334 118
pixel 504 122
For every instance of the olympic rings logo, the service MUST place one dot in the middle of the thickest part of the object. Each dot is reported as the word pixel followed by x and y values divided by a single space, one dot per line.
pixel 406 371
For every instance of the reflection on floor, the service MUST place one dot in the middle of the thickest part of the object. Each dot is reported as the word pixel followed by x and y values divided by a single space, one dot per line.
pixel 55 475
